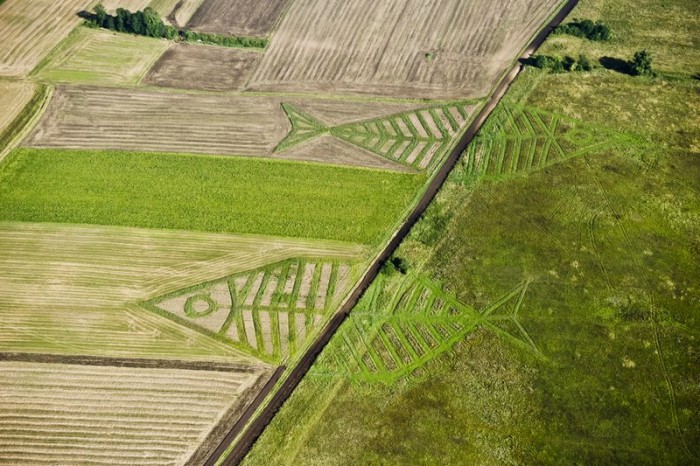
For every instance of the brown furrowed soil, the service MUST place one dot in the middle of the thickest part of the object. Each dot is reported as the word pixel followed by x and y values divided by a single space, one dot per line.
pixel 446 49
pixel 237 17
pixel 30 30
pixel 203 67
pixel 226 124
pixel 70 414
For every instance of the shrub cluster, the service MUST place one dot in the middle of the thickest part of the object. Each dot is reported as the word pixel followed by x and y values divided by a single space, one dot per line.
pixel 560 65
pixel 144 23
pixel 148 23
pixel 641 64
pixel 585 28
pixel 226 41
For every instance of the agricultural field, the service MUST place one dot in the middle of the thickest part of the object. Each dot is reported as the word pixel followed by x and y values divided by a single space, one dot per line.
pixel 160 121
pixel 549 311
pixel 207 68
pixel 237 17
pixel 33 29
pixel 116 415
pixel 189 192
pixel 100 58
pixel 14 97
pixel 65 300
pixel 398 48
pixel 180 224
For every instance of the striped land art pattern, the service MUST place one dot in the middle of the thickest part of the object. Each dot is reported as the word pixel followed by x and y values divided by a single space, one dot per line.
pixel 420 323
pixel 84 414
pixel 417 139
pixel 519 140
pixel 269 312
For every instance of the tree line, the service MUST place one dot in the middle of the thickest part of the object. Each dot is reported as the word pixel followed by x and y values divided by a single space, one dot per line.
pixel 149 23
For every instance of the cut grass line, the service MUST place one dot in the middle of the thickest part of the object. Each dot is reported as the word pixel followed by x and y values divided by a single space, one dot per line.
pixel 25 121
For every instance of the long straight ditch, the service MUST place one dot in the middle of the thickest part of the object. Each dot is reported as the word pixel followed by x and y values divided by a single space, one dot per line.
pixel 248 437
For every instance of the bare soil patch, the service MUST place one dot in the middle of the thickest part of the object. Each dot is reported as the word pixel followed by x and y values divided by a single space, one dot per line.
pixel 237 17
pixel 203 67
pixel 416 48
pixel 162 121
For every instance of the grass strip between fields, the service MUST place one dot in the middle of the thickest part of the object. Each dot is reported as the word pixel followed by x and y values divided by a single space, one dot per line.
pixel 203 193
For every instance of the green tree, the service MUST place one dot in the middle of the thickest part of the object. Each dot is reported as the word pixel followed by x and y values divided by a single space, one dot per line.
pixel 641 64
pixel 584 63
pixel 100 14
pixel 154 26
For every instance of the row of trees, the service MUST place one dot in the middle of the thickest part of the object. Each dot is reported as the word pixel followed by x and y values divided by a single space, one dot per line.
pixel 143 23
pixel 148 23
pixel 585 28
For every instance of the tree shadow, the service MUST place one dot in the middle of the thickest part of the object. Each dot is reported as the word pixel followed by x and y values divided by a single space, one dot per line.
pixel 616 64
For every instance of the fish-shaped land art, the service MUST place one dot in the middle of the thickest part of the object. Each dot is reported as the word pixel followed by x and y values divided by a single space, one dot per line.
pixel 418 139
pixel 517 140
pixel 271 312
pixel 386 343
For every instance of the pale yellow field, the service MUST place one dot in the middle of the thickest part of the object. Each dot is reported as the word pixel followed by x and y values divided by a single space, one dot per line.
pixel 410 48
pixel 14 96
pixel 176 12
pixel 31 29
pixel 74 414
pixel 100 57
pixel 71 289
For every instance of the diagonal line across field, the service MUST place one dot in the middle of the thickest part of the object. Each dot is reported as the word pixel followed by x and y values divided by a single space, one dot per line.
pixel 229 453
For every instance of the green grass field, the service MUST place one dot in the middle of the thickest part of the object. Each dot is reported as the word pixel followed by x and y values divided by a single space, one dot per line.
pixel 217 194
pixel 550 312
pixel 100 57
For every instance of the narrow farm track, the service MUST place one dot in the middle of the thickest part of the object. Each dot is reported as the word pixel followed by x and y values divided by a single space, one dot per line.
pixel 254 430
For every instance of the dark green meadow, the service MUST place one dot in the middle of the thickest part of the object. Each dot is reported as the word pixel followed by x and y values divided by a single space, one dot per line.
pixel 586 188
pixel 201 193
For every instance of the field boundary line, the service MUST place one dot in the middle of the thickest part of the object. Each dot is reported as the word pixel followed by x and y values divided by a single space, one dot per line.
pixel 27 119
pixel 210 366
pixel 249 436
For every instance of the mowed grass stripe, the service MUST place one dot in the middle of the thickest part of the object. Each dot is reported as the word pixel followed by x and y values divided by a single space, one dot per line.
pixel 216 194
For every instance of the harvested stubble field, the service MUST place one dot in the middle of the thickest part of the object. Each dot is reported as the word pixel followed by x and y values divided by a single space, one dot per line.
pixel 176 12
pixel 226 124
pixel 237 17
pixel 446 50
pixel 100 57
pixel 73 414
pixel 32 29
pixel 76 289
pixel 203 67
pixel 14 96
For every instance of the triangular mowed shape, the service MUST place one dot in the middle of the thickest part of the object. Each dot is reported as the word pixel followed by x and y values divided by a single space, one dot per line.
pixel 304 127
pixel 502 318
pixel 270 312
